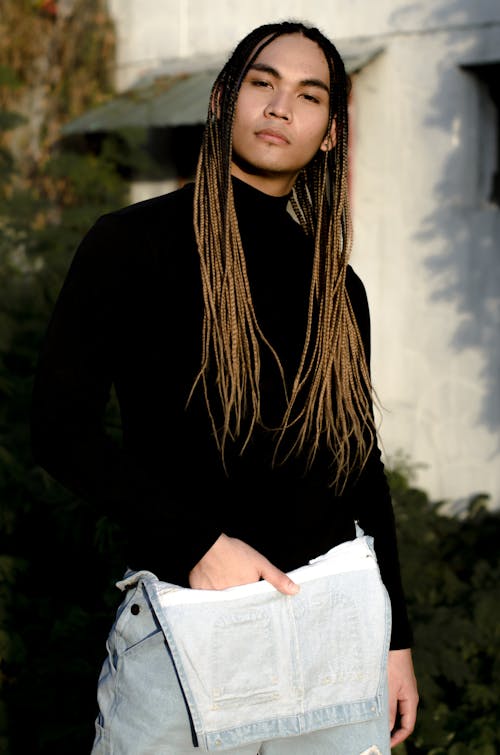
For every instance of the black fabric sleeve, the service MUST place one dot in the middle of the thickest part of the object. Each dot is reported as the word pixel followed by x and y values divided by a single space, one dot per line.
pixel 72 387
pixel 372 501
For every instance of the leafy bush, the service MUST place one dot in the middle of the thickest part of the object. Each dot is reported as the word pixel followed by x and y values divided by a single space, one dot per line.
pixel 451 572
pixel 50 193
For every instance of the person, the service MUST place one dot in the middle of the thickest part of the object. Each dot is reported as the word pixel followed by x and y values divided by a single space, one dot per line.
pixel 237 338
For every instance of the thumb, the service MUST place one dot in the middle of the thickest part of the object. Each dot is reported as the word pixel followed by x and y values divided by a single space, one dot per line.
pixel 279 580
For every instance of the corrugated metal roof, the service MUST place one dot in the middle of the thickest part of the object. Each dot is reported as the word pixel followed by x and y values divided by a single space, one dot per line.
pixel 168 101
pixel 181 99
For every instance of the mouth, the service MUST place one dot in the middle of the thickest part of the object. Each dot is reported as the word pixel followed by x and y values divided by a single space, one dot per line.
pixel 273 136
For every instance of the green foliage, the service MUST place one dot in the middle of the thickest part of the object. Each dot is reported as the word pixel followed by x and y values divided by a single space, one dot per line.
pixel 9 120
pixel 54 581
pixel 8 78
pixel 451 571
pixel 55 585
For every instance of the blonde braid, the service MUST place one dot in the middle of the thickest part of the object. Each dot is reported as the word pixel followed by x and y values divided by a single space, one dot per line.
pixel 331 397
pixel 231 333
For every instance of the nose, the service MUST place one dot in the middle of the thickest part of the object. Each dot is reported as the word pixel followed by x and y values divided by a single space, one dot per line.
pixel 279 107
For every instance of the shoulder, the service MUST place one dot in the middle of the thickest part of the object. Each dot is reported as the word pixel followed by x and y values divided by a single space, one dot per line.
pixel 149 223
pixel 131 241
pixel 157 213
pixel 172 201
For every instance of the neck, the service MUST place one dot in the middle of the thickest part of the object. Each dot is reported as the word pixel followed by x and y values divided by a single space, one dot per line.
pixel 276 185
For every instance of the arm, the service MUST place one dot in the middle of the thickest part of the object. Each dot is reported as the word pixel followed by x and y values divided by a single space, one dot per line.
pixel 374 510
pixel 76 369
pixel 371 496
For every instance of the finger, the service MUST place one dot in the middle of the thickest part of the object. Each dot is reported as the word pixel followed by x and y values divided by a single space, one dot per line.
pixel 399 736
pixel 407 722
pixel 279 580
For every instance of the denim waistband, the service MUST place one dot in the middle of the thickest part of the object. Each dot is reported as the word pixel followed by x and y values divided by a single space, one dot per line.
pixel 255 664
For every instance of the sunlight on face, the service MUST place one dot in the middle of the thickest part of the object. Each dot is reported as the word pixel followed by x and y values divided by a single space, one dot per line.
pixel 282 114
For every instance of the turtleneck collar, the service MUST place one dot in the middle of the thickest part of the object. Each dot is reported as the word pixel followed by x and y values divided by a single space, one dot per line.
pixel 247 197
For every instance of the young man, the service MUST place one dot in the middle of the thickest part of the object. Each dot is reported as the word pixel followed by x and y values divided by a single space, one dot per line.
pixel 237 338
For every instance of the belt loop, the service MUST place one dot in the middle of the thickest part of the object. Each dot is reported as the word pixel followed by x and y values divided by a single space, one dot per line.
pixel 359 530
pixel 131 579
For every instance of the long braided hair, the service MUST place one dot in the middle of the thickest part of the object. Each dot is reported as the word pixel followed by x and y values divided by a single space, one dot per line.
pixel 330 401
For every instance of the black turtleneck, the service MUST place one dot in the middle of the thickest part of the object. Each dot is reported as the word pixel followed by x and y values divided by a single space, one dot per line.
pixel 129 315
pixel 279 262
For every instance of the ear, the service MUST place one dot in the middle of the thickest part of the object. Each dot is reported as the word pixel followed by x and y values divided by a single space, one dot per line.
pixel 330 139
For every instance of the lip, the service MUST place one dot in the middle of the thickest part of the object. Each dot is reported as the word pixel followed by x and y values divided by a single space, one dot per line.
pixel 274 136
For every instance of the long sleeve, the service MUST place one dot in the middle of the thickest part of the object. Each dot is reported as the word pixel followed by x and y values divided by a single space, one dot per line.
pixel 372 501
pixel 81 357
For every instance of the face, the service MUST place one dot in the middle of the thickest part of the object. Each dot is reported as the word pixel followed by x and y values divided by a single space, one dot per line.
pixel 282 114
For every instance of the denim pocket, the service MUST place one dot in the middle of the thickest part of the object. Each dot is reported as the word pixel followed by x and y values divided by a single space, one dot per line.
pixel 135 623
pixel 336 621
pixel 243 642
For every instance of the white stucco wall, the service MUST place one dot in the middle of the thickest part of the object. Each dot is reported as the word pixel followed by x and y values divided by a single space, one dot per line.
pixel 427 245
pixel 427 242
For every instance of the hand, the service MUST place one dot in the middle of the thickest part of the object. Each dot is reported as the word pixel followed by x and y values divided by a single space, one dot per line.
pixel 403 695
pixel 231 562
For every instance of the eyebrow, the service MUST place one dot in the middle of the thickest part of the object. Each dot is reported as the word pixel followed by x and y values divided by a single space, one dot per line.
pixel 273 72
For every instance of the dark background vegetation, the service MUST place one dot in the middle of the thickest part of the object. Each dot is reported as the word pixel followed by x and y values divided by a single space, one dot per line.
pixel 57 565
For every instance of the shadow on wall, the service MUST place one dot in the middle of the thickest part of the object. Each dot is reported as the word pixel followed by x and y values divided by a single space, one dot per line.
pixel 466 220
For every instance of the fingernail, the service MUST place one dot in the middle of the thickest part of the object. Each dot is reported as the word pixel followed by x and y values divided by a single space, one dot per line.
pixel 294 588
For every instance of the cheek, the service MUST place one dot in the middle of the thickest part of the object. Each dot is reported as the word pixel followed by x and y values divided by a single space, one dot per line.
pixel 244 108
pixel 316 128
pixel 315 139
pixel 238 135
pixel 242 120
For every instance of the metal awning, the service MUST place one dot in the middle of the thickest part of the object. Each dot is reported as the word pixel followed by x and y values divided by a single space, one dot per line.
pixel 169 101
pixel 181 99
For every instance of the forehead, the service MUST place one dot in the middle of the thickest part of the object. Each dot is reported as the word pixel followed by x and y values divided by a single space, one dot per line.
pixel 295 56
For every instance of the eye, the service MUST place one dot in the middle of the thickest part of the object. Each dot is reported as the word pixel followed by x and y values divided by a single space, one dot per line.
pixel 260 83
pixel 311 98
